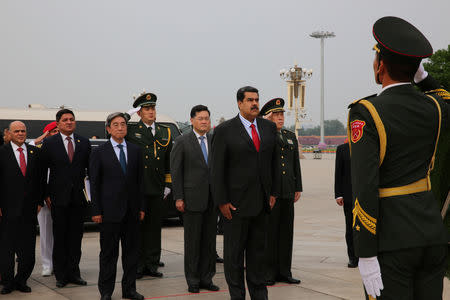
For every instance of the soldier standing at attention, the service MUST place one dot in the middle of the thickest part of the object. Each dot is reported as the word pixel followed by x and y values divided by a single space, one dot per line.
pixel 156 143
pixel 398 232
pixel 281 219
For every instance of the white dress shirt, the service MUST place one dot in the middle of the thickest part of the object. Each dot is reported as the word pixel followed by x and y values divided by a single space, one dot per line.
pixel 66 142
pixel 117 149
pixel 17 153
pixel 200 141
pixel 247 125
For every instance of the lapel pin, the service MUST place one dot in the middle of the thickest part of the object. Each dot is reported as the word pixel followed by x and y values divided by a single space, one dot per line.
pixel 78 141
pixel 31 151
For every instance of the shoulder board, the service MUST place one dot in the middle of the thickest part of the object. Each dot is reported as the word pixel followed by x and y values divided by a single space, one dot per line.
pixel 440 92
pixel 39 146
pixel 285 131
pixel 365 98
pixel 162 125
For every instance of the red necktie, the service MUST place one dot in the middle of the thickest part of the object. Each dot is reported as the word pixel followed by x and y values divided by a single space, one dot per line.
pixel 69 148
pixel 255 137
pixel 23 163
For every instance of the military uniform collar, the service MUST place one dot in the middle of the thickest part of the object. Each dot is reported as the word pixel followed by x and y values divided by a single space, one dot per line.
pixel 152 126
pixel 393 85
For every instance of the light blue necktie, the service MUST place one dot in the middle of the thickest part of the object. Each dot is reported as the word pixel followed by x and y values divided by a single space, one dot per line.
pixel 122 159
pixel 203 146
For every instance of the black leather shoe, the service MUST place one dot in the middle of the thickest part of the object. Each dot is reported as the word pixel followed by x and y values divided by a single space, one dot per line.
pixel 161 264
pixel 61 284
pixel 219 259
pixel 23 288
pixel 105 297
pixel 133 295
pixel 154 274
pixel 353 263
pixel 78 281
pixel 289 280
pixel 194 289
pixel 6 290
pixel 270 282
pixel 210 287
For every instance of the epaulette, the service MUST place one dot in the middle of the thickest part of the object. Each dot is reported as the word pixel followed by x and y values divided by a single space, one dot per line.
pixel 162 125
pixel 285 131
pixel 365 98
pixel 441 93
pixel 39 146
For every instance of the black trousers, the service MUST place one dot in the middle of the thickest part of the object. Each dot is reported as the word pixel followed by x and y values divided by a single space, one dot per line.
pixel 415 273
pixel 349 231
pixel 17 237
pixel 245 235
pixel 111 234
pixel 280 239
pixel 67 235
pixel 150 228
pixel 200 245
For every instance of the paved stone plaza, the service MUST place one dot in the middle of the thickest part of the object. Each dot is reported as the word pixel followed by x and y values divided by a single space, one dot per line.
pixel 319 259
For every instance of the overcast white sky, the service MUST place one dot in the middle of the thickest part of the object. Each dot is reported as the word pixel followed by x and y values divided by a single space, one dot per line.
pixel 94 55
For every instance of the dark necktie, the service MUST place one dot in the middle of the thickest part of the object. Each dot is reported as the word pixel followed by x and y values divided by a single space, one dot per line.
pixel 122 159
pixel 23 163
pixel 69 148
pixel 255 137
pixel 203 146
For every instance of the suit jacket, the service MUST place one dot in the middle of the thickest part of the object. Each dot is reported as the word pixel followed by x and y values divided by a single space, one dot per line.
pixel 343 174
pixel 190 172
pixel 238 171
pixel 66 181
pixel 20 195
pixel 113 193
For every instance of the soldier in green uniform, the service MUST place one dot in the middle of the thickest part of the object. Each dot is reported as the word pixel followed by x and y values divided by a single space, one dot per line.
pixel 281 218
pixel 156 142
pixel 398 232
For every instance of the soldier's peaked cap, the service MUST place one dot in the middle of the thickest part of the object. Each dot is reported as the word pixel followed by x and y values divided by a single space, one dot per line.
pixel 145 99
pixel 396 36
pixel 273 105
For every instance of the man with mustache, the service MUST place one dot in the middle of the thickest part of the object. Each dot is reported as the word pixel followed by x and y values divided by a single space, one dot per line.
pixel 245 185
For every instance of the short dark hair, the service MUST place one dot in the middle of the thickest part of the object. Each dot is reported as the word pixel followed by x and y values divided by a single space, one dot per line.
pixel 62 112
pixel 399 67
pixel 113 116
pixel 240 95
pixel 199 108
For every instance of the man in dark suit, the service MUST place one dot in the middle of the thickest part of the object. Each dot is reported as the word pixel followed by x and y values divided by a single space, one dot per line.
pixel 22 179
pixel 245 186
pixel 189 161
pixel 343 196
pixel 281 219
pixel 116 173
pixel 67 156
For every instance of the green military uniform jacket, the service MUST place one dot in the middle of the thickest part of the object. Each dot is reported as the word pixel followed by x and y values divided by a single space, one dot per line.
pixel 291 177
pixel 391 155
pixel 156 155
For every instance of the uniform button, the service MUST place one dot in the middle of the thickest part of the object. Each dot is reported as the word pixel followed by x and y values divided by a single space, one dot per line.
pixel 157 169
pixel 284 172
pixel 157 158
pixel 282 149
pixel 282 156
pixel 146 146
pixel 159 148
pixel 146 157
pixel 282 164
pixel 146 167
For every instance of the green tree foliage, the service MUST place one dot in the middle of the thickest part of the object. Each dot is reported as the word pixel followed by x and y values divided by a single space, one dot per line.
pixel 438 66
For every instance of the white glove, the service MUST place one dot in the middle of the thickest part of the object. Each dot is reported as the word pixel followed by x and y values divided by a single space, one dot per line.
pixel 371 275
pixel 421 74
pixel 166 192
pixel 133 110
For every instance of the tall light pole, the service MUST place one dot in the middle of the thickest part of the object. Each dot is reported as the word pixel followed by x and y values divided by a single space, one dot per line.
pixel 295 77
pixel 322 35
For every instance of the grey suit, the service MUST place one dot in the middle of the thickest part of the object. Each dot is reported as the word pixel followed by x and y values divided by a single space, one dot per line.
pixel 191 182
